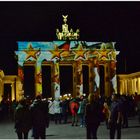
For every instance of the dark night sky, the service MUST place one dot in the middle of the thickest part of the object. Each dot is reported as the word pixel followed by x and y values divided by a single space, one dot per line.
pixel 97 21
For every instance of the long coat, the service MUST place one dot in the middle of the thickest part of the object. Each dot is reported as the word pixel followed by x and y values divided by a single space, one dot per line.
pixel 23 121
pixel 39 112
pixel 93 113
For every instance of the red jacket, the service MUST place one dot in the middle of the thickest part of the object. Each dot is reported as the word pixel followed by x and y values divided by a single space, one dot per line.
pixel 74 106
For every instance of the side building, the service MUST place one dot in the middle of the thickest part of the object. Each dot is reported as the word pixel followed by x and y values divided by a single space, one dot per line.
pixel 129 83
pixel 10 87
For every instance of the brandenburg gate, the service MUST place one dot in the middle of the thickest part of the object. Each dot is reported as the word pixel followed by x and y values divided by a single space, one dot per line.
pixel 69 50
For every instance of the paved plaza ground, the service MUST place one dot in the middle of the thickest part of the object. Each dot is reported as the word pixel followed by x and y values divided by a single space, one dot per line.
pixel 66 131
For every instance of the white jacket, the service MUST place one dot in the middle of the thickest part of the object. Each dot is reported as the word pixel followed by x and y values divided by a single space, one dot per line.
pixel 51 108
pixel 57 108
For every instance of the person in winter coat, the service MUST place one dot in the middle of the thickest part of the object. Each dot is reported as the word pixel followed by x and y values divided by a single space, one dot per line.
pixel 74 106
pixel 92 116
pixel 40 118
pixel 51 110
pixel 106 113
pixel 81 112
pixel 57 111
pixel 115 118
pixel 64 105
pixel 23 121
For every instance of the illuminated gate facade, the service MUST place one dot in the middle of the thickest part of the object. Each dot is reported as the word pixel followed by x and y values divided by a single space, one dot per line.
pixel 70 51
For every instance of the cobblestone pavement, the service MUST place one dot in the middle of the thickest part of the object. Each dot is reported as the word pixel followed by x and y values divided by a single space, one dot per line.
pixel 66 131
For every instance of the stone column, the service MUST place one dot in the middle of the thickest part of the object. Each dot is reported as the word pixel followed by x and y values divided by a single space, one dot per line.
pixel 120 89
pixel 129 86
pixel 19 90
pixel 132 86
pixel 21 73
pixel 125 86
pixel 106 79
pixel 96 87
pixel 56 80
pixel 74 94
pixel 21 76
pixel 138 85
pixel 38 79
pixel 122 86
pixel 135 80
pixel 79 75
pixel 113 75
pixel 12 92
pixel 1 89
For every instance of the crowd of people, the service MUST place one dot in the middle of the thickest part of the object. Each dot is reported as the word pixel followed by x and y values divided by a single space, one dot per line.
pixel 88 112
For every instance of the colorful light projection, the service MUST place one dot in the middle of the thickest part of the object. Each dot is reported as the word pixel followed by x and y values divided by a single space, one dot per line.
pixel 56 51
pixel 63 50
